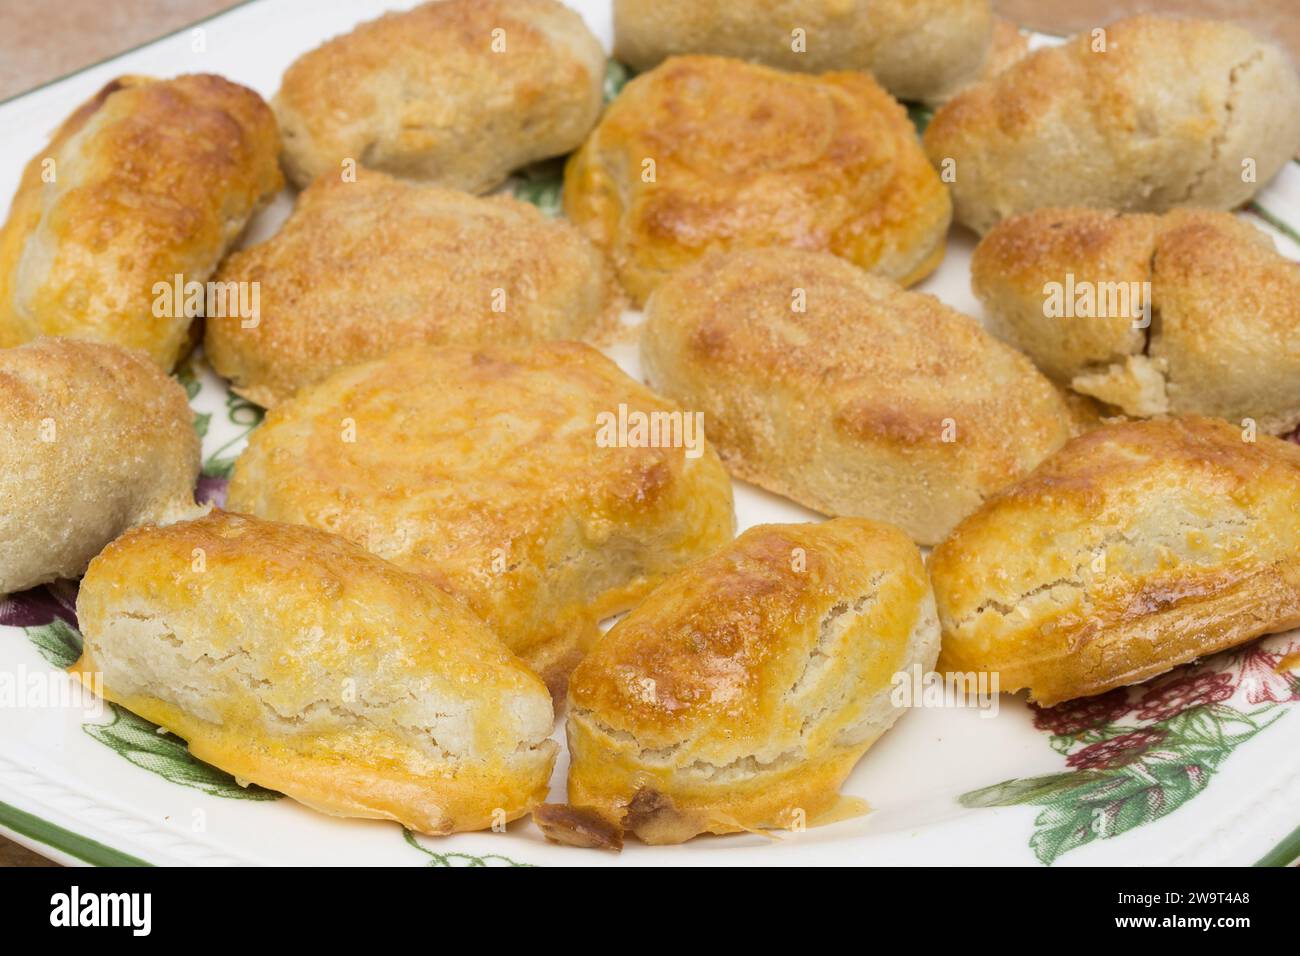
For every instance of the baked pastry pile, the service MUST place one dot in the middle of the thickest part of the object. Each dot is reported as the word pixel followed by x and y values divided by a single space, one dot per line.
pixel 453 490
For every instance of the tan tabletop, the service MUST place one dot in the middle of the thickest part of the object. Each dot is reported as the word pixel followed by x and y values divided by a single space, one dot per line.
pixel 40 42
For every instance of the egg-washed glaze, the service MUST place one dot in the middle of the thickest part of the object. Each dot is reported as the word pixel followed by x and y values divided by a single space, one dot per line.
pixel 297 661
pixel 484 469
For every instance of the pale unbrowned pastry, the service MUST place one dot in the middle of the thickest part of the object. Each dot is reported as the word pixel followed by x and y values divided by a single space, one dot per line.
pixel 296 660
pixel 457 92
pixel 1135 548
pixel 707 153
pixel 491 471
pixel 742 691
pixel 363 267
pixel 94 438
pixel 917 49
pixel 147 181
pixel 1189 312
pixel 846 393
pixel 1143 116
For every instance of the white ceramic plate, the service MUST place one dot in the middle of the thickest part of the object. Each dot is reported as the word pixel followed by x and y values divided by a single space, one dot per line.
pixel 1198 767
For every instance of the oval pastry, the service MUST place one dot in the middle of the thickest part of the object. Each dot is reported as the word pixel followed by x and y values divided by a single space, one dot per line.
pixel 917 49
pixel 295 660
pixel 1192 312
pixel 518 479
pixel 363 267
pixel 1145 115
pixel 706 153
pixel 140 191
pixel 456 92
pixel 94 439
pixel 844 392
pixel 1135 548
pixel 742 691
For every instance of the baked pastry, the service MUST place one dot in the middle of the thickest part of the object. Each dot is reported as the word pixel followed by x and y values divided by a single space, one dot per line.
pixel 94 439
pixel 1135 548
pixel 295 660
pixel 363 267
pixel 140 191
pixel 917 49
pixel 1145 115
pixel 456 92
pixel 517 478
pixel 742 691
pixel 706 153
pixel 844 392
pixel 1190 312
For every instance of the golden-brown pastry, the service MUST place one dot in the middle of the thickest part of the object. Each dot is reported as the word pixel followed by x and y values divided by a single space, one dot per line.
pixel 363 267
pixel 1135 548
pixel 1192 312
pixel 515 477
pixel 1145 115
pixel 295 660
pixel 457 92
pixel 94 438
pixel 742 691
pixel 844 392
pixel 148 181
pixel 917 49
pixel 706 153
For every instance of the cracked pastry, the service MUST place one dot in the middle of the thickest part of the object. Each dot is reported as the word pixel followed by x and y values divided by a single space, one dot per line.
pixel 363 267
pixel 705 153
pixel 916 49
pixel 1143 116
pixel 148 181
pixel 1135 548
pixel 95 438
pixel 489 471
pixel 1192 312
pixel 742 691
pixel 297 661
pixel 846 393
pixel 456 92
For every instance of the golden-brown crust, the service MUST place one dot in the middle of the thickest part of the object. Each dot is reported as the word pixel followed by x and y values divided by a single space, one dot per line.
pixel 745 688
pixel 458 92
pixel 370 265
pixel 1223 305
pixel 151 179
pixel 916 49
pixel 94 439
pixel 872 401
pixel 1165 114
pixel 1135 548
pixel 295 660
pixel 482 469
pixel 747 156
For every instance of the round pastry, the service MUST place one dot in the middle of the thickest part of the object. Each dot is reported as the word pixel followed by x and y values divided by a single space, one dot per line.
pixel 742 691
pixel 1143 115
pixel 137 197
pixel 846 393
pixel 456 92
pixel 539 483
pixel 1192 312
pixel 94 438
pixel 1135 548
pixel 295 660
pixel 363 267
pixel 706 153
pixel 917 49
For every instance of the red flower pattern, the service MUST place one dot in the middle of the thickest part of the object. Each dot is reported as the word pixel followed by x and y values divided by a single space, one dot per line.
pixel 1087 713
pixel 1116 752
pixel 1171 698
pixel 1261 680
